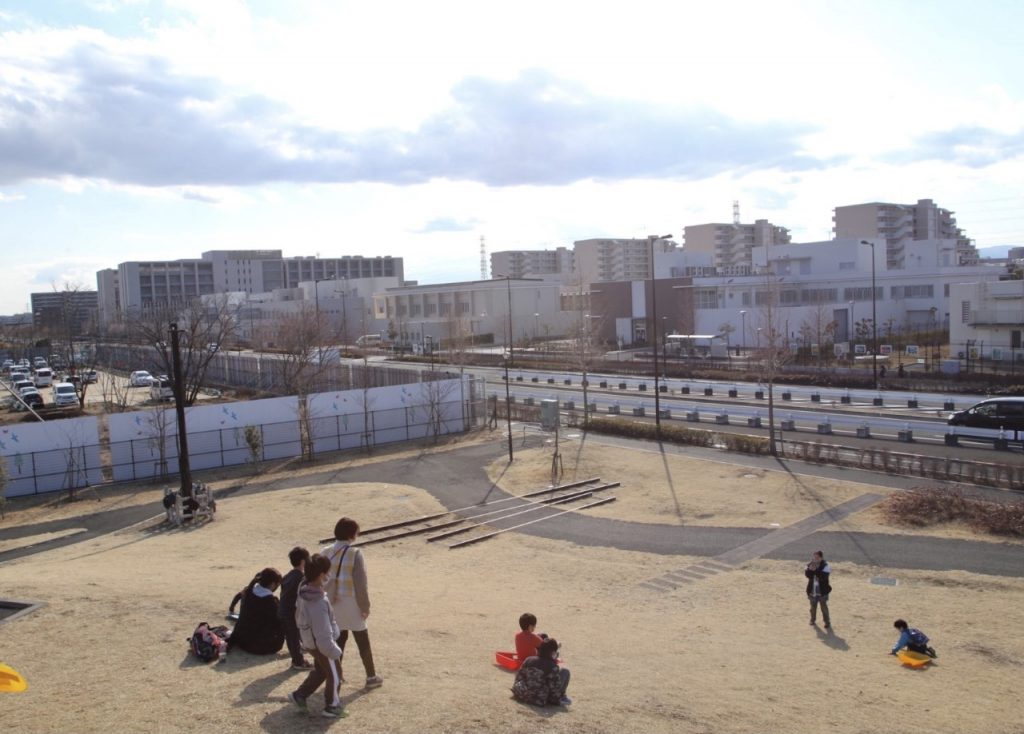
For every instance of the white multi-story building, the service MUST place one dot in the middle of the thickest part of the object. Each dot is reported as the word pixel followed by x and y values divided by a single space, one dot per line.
pixel 730 245
pixel 145 285
pixel 987 321
pixel 554 264
pixel 819 283
pixel 901 224
pixel 471 309
pixel 600 260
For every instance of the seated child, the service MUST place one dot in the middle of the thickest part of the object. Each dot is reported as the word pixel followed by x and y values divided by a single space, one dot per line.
pixel 540 681
pixel 913 639
pixel 258 630
pixel 527 641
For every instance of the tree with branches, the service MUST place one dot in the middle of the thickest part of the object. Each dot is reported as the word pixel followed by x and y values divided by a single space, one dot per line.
pixel 203 325
pixel 773 354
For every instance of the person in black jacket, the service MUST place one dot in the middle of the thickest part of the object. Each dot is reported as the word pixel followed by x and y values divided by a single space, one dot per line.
pixel 818 587
pixel 258 630
pixel 298 557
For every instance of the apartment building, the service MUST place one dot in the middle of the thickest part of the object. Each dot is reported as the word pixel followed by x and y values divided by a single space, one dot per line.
pixel 600 260
pixel 730 245
pixel 554 264
pixel 138 286
pixel 70 312
pixel 900 224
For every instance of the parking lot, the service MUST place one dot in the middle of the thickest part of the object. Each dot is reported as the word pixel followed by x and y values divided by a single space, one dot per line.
pixel 110 391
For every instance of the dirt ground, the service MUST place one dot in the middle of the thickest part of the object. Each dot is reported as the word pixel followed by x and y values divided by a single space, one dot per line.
pixel 731 653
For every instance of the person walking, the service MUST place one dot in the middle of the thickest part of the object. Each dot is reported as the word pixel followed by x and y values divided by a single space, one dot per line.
pixel 818 587
pixel 349 595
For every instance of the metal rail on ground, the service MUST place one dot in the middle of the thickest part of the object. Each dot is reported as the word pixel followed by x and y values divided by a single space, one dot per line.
pixel 532 507
pixel 470 541
pixel 437 515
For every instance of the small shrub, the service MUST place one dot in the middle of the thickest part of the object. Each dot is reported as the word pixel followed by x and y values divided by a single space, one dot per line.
pixel 745 444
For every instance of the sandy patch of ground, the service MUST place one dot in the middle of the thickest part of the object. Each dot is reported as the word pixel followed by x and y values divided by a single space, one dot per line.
pixel 678 490
pixel 731 653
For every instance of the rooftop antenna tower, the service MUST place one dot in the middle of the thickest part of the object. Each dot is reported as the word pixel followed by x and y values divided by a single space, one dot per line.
pixel 736 211
pixel 483 259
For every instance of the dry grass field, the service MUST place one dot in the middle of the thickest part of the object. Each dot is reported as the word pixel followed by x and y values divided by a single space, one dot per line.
pixel 731 653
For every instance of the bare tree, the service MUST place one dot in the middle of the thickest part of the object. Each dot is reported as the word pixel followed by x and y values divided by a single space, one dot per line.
pixel 158 421
pixel 114 392
pixel 773 354
pixel 299 337
pixel 203 325
pixel 820 328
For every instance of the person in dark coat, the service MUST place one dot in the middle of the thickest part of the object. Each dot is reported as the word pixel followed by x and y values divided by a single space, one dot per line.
pixel 540 681
pixel 258 630
pixel 299 557
pixel 818 587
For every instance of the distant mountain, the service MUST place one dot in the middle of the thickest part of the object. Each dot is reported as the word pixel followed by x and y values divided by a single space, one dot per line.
pixel 996 251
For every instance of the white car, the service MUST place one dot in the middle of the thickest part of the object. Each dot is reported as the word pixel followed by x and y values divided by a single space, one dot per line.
pixel 140 378
pixel 64 394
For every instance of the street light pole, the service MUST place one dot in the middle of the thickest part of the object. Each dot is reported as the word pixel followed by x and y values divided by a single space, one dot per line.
pixel 743 315
pixel 654 335
pixel 874 316
pixel 508 411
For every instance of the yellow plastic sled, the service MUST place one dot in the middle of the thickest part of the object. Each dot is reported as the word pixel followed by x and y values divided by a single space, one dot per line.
pixel 11 680
pixel 913 659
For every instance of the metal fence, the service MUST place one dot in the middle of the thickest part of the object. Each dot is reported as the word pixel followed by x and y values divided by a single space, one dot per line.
pixel 156 456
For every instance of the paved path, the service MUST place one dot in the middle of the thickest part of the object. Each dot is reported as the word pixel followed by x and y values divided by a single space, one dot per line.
pixel 457 479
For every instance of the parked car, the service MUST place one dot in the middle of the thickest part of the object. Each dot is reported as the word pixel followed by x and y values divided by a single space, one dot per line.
pixel 160 388
pixel 88 375
pixel 18 385
pixel 140 378
pixel 31 397
pixel 64 394
pixel 994 413
pixel 43 377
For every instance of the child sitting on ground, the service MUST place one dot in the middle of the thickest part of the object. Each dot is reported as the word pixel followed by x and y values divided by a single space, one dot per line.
pixel 258 630
pixel 540 681
pixel 527 641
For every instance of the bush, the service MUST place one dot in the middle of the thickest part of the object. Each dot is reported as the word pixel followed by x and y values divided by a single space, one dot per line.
pixel 639 429
pixel 745 444
pixel 924 507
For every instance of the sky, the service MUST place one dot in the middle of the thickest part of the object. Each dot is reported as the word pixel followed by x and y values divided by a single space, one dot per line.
pixel 156 130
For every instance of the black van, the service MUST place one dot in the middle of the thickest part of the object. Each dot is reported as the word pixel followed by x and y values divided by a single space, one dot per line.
pixel 994 413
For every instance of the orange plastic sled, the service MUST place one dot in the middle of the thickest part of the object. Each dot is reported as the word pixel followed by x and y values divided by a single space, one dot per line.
pixel 913 659
pixel 507 660
pixel 11 680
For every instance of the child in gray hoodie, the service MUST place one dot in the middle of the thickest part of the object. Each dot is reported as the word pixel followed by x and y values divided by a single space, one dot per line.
pixel 318 632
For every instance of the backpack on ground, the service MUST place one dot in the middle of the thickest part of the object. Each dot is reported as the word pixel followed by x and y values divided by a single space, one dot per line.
pixel 209 643
pixel 918 637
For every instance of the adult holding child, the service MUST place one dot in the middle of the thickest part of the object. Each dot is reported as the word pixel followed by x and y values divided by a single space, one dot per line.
pixel 348 591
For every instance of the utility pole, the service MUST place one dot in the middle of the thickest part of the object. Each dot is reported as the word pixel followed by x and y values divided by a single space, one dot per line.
pixel 179 408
